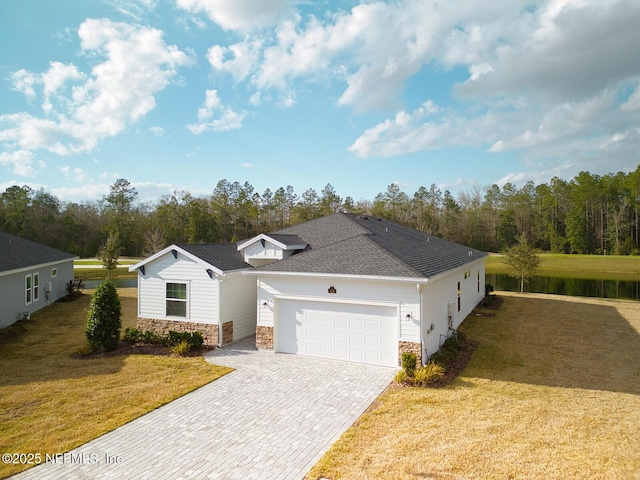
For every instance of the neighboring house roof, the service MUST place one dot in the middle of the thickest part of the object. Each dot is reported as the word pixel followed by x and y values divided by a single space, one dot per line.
pixel 224 256
pixel 18 253
pixel 364 245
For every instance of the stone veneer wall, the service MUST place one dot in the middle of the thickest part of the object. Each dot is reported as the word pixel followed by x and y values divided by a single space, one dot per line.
pixel 227 332
pixel 163 327
pixel 410 347
pixel 264 337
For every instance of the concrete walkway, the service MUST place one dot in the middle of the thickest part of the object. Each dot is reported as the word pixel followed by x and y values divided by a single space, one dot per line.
pixel 272 418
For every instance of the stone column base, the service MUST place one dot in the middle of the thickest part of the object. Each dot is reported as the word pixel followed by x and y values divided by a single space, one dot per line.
pixel 410 347
pixel 163 327
pixel 227 333
pixel 264 337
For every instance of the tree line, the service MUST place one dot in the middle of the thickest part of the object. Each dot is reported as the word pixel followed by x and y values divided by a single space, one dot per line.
pixel 592 214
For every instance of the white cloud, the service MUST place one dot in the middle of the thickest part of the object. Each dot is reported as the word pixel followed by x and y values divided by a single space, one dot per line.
pixel 157 131
pixel 247 165
pixel 21 161
pixel 227 119
pixel 238 14
pixel 118 92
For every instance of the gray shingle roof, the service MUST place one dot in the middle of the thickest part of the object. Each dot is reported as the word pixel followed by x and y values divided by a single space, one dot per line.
pixel 17 252
pixel 365 245
pixel 224 256
pixel 287 239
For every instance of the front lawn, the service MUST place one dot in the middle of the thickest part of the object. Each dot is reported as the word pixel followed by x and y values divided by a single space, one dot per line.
pixel 552 391
pixel 52 403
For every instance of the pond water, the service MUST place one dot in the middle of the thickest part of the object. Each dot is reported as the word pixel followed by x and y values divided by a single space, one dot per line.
pixel 580 287
pixel 118 282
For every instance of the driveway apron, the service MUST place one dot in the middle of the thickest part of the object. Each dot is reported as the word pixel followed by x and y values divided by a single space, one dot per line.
pixel 272 418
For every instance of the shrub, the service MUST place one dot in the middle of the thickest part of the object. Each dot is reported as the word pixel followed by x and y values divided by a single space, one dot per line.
pixel 450 349
pixel 103 321
pixel 401 377
pixel 133 335
pixel 427 374
pixel 180 349
pixel 194 339
pixel 409 363
pixel 152 337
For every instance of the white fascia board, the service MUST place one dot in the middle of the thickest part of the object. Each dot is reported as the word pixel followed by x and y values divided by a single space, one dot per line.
pixel 37 266
pixel 382 278
pixel 263 236
pixel 167 250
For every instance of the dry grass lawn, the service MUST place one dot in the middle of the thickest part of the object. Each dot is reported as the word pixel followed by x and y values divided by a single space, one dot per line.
pixel 552 391
pixel 51 402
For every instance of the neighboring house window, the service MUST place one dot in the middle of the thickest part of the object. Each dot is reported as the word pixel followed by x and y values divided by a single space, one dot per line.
pixel 54 272
pixel 459 303
pixel 176 299
pixel 36 287
pixel 28 289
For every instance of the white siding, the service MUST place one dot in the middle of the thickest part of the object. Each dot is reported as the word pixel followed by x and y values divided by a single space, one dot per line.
pixel 238 293
pixel 202 291
pixel 402 295
pixel 438 293
pixel 12 290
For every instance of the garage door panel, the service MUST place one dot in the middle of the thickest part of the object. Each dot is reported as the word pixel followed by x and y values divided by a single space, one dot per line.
pixel 358 333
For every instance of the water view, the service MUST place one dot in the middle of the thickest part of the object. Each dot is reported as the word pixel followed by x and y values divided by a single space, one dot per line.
pixel 580 287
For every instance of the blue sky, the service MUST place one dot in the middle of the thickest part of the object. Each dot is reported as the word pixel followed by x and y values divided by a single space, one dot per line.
pixel 178 94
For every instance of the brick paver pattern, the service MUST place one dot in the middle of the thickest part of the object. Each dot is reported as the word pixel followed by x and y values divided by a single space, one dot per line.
pixel 272 418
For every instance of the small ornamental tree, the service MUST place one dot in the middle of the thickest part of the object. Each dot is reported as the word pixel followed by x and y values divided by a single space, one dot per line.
pixel 108 254
pixel 103 321
pixel 522 261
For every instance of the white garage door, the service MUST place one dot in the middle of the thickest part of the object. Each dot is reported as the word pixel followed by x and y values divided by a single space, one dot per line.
pixel 358 333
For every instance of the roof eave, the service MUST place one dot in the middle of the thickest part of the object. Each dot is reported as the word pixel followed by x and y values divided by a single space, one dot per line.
pixel 385 278
pixel 36 266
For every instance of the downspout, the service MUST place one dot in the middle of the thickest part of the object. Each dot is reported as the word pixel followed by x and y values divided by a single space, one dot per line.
pixel 219 309
pixel 422 348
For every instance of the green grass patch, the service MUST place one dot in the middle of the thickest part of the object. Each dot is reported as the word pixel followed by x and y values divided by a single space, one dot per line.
pixel 597 267
pixel 100 273
pixel 51 402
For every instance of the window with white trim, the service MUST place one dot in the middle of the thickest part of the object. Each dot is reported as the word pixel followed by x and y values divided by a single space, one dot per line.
pixel 36 287
pixel 54 272
pixel 28 290
pixel 176 299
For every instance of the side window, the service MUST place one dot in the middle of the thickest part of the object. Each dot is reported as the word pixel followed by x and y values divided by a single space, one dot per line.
pixel 54 272
pixel 176 300
pixel 459 302
pixel 36 287
pixel 28 290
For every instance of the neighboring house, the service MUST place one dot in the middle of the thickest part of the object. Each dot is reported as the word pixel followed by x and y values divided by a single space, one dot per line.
pixel 32 276
pixel 197 288
pixel 348 287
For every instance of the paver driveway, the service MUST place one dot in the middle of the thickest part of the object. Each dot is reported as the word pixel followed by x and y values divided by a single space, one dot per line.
pixel 272 418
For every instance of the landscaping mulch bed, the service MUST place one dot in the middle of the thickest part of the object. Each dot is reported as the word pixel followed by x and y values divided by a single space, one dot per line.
pixel 127 348
pixel 457 366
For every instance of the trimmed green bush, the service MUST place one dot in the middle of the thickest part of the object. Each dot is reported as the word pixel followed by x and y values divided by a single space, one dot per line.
pixel 409 363
pixel 103 321
pixel 133 335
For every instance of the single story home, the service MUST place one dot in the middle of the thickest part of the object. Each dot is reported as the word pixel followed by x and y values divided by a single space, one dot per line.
pixel 348 287
pixel 32 276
